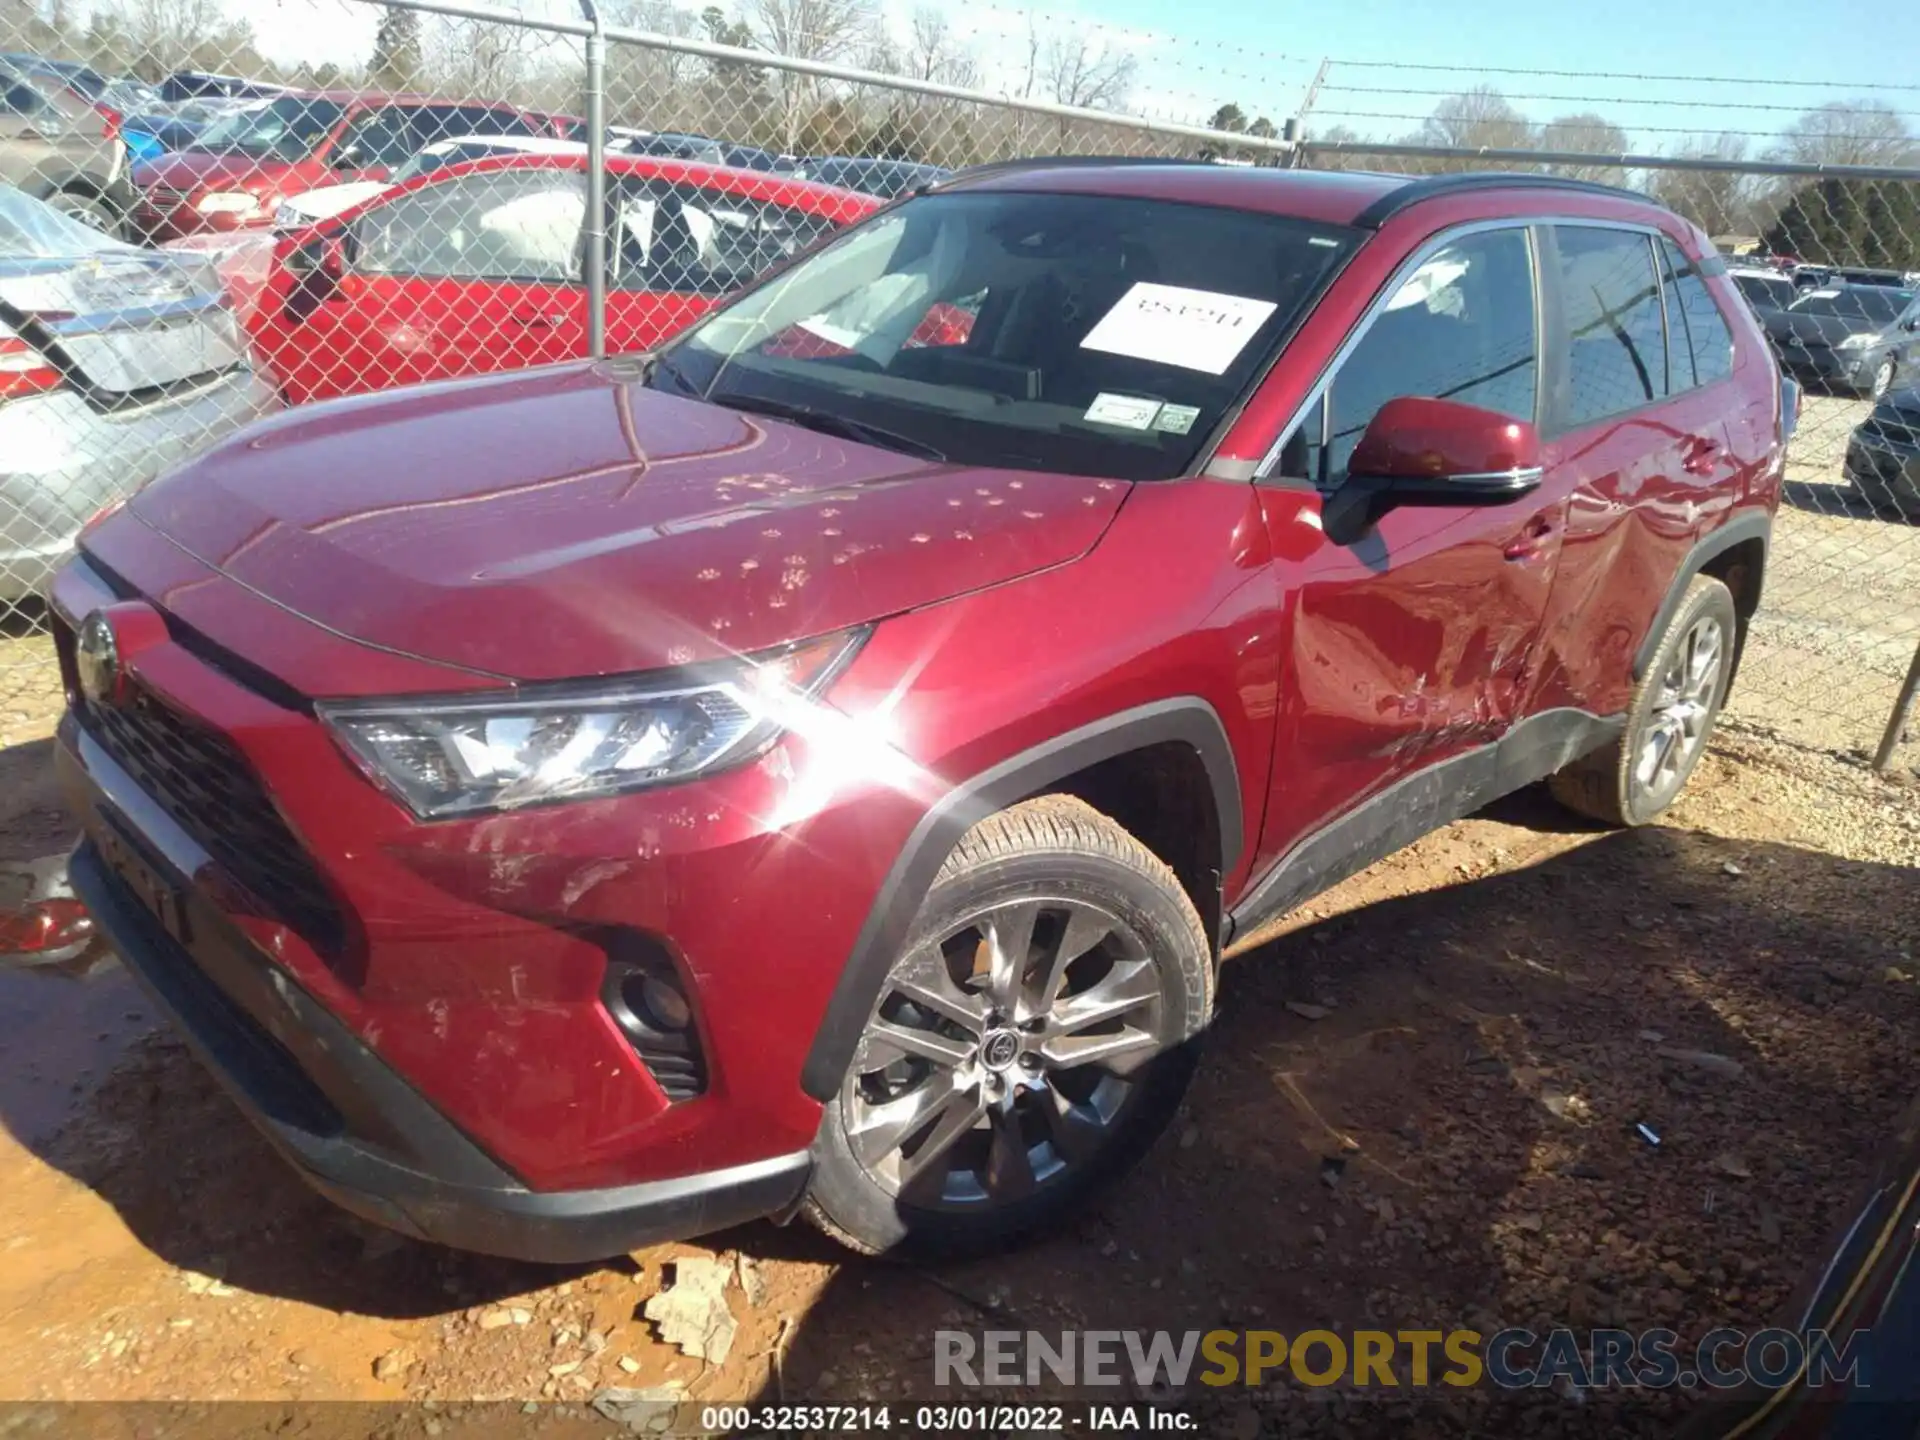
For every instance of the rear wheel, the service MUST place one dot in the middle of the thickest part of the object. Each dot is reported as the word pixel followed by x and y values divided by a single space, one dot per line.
pixel 1034 1037
pixel 1633 780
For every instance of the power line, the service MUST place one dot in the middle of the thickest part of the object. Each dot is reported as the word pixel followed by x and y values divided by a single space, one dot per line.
pixel 1648 129
pixel 1624 75
pixel 1596 99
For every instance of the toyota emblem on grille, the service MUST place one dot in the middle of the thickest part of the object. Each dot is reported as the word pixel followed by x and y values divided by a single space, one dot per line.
pixel 96 660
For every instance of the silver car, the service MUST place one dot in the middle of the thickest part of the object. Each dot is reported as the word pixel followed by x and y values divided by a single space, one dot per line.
pixel 115 362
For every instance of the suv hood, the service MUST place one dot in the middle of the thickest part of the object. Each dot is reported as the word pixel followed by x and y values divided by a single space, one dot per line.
pixel 569 522
pixel 191 169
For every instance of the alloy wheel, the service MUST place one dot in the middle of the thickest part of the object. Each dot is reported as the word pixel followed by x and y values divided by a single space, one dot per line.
pixel 1682 710
pixel 1883 378
pixel 1003 1054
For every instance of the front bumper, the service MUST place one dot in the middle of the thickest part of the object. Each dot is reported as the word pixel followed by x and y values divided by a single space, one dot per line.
pixel 353 1128
pixel 159 219
pixel 1885 472
pixel 1822 365
pixel 61 459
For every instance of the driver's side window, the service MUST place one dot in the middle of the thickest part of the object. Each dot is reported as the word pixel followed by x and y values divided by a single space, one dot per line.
pixel 1461 327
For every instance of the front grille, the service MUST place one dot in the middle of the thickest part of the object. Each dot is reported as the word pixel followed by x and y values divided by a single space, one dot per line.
pixel 207 787
pixel 167 197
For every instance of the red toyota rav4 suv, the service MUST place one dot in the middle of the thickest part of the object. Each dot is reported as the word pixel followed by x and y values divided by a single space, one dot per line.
pixel 815 767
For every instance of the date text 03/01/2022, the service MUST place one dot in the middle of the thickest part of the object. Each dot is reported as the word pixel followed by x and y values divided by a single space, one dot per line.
pixel 940 1419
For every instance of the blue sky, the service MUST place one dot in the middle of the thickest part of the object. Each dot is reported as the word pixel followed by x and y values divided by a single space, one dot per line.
pixel 1264 54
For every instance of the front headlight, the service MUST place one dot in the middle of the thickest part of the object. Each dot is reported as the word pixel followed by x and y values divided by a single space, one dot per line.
pixel 1857 342
pixel 228 202
pixel 461 755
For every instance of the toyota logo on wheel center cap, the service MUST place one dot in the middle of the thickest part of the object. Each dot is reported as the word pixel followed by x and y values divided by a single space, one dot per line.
pixel 999 1050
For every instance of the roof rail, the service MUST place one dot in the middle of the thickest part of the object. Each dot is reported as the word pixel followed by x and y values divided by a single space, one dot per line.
pixel 1054 162
pixel 1432 187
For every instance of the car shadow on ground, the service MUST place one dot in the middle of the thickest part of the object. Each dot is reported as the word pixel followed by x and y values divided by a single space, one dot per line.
pixel 1841 502
pixel 1458 1142
pixel 1454 1143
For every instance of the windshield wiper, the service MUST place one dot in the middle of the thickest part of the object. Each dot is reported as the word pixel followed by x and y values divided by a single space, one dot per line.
pixel 663 365
pixel 828 423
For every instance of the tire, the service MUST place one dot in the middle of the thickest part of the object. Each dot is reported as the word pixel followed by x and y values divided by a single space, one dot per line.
pixel 1030 1125
pixel 1882 379
pixel 87 209
pixel 1628 782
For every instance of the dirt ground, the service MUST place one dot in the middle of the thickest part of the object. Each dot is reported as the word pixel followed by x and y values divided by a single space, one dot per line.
pixel 1496 1001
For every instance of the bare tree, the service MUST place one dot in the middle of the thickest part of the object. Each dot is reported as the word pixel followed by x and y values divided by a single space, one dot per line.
pixel 1850 132
pixel 1585 133
pixel 151 38
pixel 935 53
pixel 1720 202
pixel 1337 159
pixel 1075 71
pixel 807 30
pixel 477 58
pixel 396 60
pixel 1478 119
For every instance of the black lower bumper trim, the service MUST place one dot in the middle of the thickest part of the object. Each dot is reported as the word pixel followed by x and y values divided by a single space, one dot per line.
pixel 504 1218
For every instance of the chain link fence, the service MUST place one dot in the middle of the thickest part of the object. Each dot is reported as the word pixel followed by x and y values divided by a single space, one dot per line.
pixel 600 130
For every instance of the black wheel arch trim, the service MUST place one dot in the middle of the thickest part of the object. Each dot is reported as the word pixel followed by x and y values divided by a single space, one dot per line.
pixel 1746 526
pixel 1185 719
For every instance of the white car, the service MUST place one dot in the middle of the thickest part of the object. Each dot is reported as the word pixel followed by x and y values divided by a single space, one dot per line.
pixel 329 200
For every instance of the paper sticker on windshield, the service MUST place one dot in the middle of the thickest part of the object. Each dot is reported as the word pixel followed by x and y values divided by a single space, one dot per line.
pixel 1194 329
pixel 1126 411
pixel 1176 419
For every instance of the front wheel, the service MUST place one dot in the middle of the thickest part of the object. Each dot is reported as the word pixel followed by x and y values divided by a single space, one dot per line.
pixel 1882 379
pixel 1634 780
pixel 1034 1037
pixel 87 209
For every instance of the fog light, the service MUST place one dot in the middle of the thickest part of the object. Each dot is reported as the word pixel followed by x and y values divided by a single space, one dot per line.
pixel 645 996
pixel 664 1007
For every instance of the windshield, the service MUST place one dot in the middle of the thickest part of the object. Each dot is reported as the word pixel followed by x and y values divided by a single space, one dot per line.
pixel 287 128
pixel 1876 305
pixel 1094 335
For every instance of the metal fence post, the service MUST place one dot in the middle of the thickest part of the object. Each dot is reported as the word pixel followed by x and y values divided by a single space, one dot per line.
pixel 1897 722
pixel 596 229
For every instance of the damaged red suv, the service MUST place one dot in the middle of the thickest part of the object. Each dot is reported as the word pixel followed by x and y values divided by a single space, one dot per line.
pixel 818 767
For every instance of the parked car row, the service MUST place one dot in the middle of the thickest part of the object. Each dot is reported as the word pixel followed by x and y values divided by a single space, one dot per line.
pixel 115 361
pixel 1854 338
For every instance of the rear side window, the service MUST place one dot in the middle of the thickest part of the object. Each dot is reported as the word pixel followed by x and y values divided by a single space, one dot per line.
pixel 705 242
pixel 1461 328
pixel 506 225
pixel 1617 353
pixel 19 98
pixel 1697 330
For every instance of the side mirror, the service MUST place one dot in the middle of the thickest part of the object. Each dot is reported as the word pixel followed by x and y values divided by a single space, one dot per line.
pixel 1418 451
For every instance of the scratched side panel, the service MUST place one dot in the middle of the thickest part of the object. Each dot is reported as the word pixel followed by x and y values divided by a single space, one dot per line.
pixel 1413 644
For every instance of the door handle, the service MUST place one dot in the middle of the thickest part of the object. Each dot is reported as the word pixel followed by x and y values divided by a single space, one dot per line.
pixel 539 319
pixel 1701 456
pixel 1527 544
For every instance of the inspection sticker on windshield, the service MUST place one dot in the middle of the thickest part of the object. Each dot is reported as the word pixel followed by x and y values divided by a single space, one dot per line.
pixel 1194 329
pixel 1129 412
pixel 1176 419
